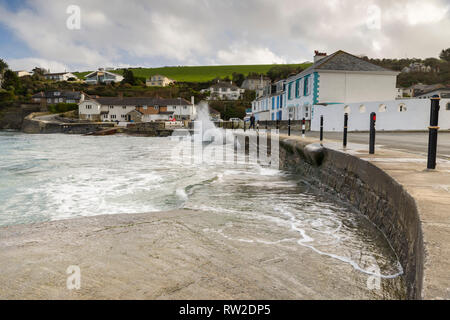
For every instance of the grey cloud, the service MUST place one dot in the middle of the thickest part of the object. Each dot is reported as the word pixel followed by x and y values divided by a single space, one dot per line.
pixel 180 32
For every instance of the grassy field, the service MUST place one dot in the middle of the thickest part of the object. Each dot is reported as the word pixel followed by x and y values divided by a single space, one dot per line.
pixel 201 73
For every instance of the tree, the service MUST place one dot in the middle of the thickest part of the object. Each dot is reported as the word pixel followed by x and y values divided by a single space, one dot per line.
pixel 3 66
pixel 128 77
pixel 10 79
pixel 282 71
pixel 238 78
pixel 445 55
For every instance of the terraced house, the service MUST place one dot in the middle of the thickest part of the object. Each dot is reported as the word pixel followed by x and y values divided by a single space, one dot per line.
pixel 337 78
pixel 334 79
pixel 119 109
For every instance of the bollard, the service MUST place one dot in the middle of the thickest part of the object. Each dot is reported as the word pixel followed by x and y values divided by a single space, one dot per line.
pixel 433 132
pixel 289 126
pixel 345 129
pixel 373 119
pixel 303 127
pixel 321 128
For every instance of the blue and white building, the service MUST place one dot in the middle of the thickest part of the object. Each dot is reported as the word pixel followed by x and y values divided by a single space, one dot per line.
pixel 269 103
pixel 339 78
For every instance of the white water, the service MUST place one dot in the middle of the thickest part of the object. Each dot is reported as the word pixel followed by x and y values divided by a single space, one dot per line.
pixel 52 177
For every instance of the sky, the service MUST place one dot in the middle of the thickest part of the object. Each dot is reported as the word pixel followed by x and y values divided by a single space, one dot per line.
pixel 154 33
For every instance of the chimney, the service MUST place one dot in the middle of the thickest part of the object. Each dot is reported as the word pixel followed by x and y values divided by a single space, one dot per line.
pixel 192 100
pixel 319 55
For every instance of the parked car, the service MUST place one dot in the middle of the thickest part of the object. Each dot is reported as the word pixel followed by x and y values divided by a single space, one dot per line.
pixel 235 119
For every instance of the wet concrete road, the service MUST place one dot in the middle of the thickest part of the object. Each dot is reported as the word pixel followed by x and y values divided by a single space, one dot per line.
pixel 415 142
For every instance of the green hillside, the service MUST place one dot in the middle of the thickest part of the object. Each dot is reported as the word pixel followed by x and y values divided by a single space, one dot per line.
pixel 201 73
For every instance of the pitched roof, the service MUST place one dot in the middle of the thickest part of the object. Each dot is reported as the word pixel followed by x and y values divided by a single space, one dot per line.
pixel 141 101
pixel 224 85
pixel 343 61
pixel 57 74
pixel 103 71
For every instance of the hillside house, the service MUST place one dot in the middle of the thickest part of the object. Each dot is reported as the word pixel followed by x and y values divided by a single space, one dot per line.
pixel 255 83
pixel 61 76
pixel 158 81
pixel 224 90
pixel 58 96
pixel 102 76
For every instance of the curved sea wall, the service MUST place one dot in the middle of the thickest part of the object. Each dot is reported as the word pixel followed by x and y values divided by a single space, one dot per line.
pixel 31 124
pixel 372 191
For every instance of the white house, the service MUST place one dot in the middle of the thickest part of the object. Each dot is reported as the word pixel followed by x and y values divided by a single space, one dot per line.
pixel 224 90
pixel 158 80
pixel 337 78
pixel 102 76
pixel 62 76
pixel 23 73
pixel 150 109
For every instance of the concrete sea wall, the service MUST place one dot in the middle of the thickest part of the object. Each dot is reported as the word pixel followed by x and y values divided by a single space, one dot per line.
pixel 372 191
pixel 32 125
pixel 402 114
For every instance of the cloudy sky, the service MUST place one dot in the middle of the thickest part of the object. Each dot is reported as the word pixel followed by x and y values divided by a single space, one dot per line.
pixel 118 33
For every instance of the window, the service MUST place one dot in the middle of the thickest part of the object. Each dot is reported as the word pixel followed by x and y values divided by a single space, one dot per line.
pixel 111 107
pixel 447 107
pixel 401 107
pixel 382 108
pixel 289 91
pixel 306 86
pixel 297 88
pixel 273 103
pixel 347 109
pixel 124 107
pixel 113 116
pixel 362 108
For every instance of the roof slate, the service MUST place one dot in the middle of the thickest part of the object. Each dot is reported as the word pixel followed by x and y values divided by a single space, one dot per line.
pixel 140 101
pixel 343 61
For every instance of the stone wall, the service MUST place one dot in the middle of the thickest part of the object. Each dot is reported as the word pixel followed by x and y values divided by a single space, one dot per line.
pixel 12 117
pixel 373 192
pixel 148 129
